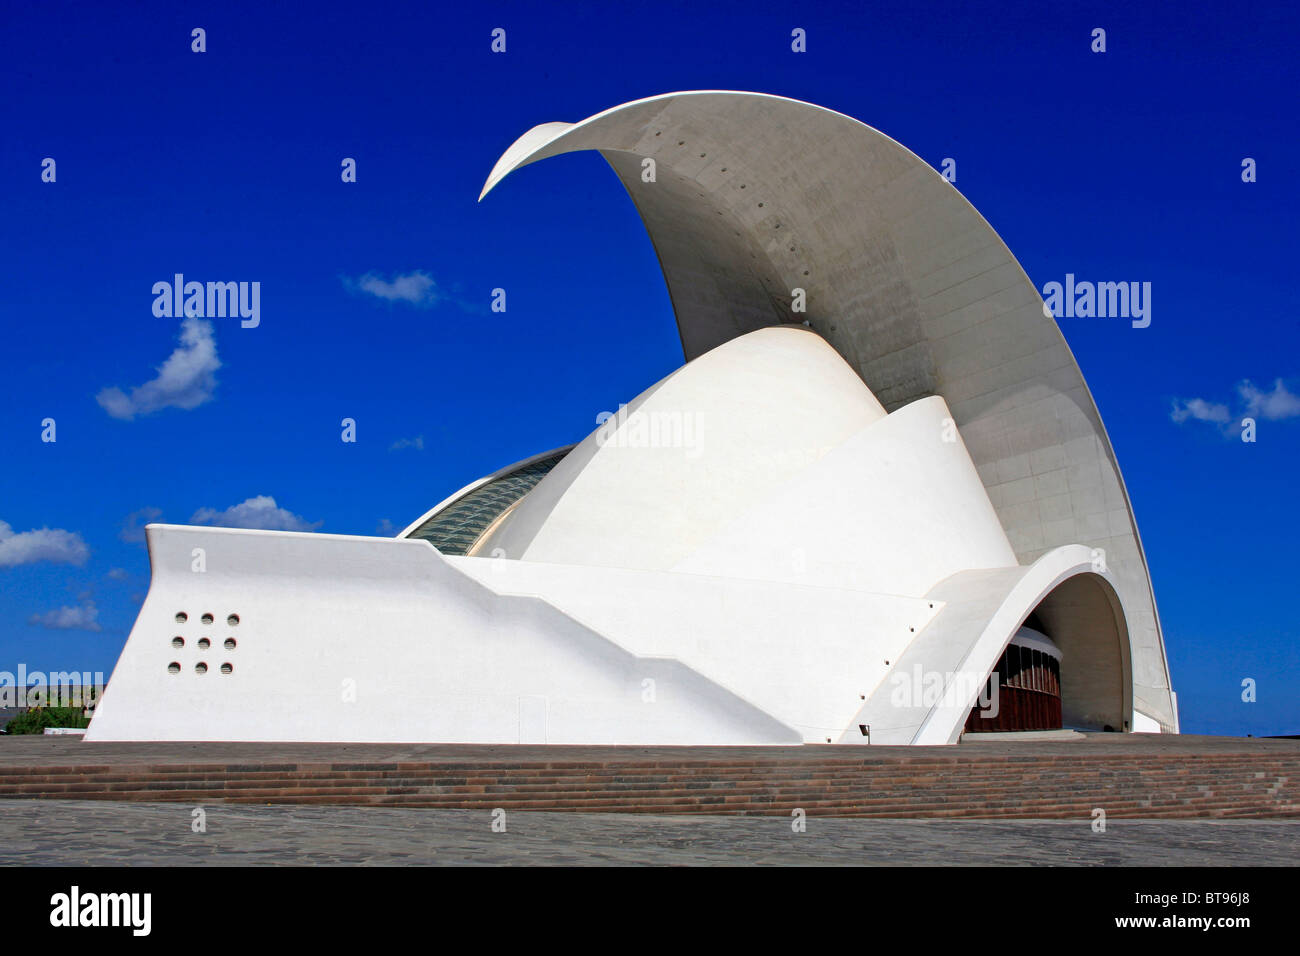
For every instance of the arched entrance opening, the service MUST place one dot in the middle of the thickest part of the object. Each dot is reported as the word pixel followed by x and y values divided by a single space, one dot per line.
pixel 1067 666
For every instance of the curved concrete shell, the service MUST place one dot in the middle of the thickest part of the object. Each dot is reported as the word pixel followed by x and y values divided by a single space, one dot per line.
pixel 756 197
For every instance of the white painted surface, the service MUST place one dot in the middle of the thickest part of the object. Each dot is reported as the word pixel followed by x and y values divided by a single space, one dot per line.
pixel 380 639
pixel 893 509
pixel 695 449
pixel 805 655
pixel 1142 724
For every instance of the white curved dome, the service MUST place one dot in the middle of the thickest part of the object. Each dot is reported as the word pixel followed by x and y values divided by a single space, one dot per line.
pixel 689 454
pixel 765 458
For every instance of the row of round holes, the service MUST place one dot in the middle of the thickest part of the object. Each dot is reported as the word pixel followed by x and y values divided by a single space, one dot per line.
pixel 204 643
pixel 682 142
pixel 200 668
pixel 232 620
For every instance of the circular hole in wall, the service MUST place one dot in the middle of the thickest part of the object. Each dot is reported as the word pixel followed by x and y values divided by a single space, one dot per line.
pixel 233 620
pixel 173 668
pixel 229 644
pixel 207 619
pixel 227 668
pixel 181 617
pixel 178 642
pixel 200 668
pixel 204 643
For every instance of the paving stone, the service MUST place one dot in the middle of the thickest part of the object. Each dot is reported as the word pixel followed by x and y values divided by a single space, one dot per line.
pixel 98 833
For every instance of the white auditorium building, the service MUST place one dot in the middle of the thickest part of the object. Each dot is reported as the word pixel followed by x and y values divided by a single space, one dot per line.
pixel 877 489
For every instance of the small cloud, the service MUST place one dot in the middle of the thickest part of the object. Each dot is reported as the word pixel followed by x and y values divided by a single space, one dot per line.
pixel 117 574
pixel 186 379
pixel 386 528
pixel 417 442
pixel 41 544
pixel 1199 410
pixel 1275 404
pixel 133 524
pixel 414 288
pixel 84 617
pixel 255 513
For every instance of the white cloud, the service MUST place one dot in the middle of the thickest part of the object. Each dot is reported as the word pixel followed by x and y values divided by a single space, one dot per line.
pixel 1273 406
pixel 260 513
pixel 1199 410
pixel 386 528
pixel 117 574
pixel 186 379
pixel 43 544
pixel 84 617
pixel 417 442
pixel 414 288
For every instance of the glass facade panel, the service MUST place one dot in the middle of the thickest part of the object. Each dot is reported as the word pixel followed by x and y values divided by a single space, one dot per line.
pixel 455 528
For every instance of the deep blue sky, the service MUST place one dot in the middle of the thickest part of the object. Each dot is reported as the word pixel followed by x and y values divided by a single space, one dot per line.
pixel 225 166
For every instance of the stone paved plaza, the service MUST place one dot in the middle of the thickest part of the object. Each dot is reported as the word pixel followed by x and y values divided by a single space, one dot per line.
pixel 40 832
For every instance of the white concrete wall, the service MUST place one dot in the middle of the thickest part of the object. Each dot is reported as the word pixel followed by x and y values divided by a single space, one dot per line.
pixel 804 654
pixel 431 655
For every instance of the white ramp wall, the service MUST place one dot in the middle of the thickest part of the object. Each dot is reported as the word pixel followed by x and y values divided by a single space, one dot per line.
pixel 379 639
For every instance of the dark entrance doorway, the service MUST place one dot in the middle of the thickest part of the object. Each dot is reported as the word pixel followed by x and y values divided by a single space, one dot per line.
pixel 1024 690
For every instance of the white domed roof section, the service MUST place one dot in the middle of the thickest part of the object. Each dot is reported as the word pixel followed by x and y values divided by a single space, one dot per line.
pixel 690 454
pixel 895 509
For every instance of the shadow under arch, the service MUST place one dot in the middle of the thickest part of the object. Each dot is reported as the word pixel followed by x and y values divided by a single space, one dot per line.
pixel 1084 617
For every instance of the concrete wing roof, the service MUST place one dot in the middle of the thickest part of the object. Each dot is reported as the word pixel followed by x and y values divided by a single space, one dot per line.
pixel 756 196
